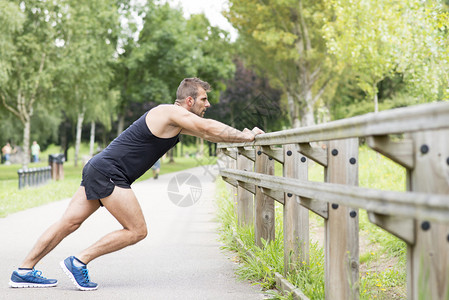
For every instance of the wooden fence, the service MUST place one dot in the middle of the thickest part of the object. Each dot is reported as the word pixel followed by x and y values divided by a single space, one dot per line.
pixel 415 137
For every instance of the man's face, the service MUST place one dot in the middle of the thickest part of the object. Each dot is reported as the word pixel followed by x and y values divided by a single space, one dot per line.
pixel 201 103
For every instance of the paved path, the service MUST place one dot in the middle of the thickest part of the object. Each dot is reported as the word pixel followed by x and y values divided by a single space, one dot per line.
pixel 180 258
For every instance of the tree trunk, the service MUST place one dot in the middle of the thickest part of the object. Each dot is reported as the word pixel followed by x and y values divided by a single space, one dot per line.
pixel 24 111
pixel 307 117
pixel 376 100
pixel 26 143
pixel 170 155
pixel 64 127
pixel 121 123
pixel 307 98
pixel 231 114
pixel 182 146
pixel 306 111
pixel 292 107
pixel 79 127
pixel 92 138
pixel 201 147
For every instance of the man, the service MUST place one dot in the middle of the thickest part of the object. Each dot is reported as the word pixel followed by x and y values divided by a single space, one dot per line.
pixel 6 151
pixel 35 150
pixel 107 178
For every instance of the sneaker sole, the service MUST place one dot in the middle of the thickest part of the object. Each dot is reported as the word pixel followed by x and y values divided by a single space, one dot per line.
pixel 72 278
pixel 30 285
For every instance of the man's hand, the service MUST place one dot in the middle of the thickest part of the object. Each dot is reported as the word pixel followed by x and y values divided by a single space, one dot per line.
pixel 257 131
pixel 252 133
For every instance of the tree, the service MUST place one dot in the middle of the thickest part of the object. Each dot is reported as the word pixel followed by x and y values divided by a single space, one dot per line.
pixel 11 22
pixel 31 50
pixel 426 64
pixel 367 40
pixel 376 40
pixel 212 58
pixel 87 54
pixel 103 112
pixel 131 13
pixel 170 48
pixel 284 40
pixel 249 101
pixel 163 54
pixel 213 54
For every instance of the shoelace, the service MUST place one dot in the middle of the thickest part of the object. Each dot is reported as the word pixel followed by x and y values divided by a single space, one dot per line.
pixel 37 273
pixel 86 275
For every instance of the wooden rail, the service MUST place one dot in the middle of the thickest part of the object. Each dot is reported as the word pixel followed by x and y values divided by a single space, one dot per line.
pixel 419 216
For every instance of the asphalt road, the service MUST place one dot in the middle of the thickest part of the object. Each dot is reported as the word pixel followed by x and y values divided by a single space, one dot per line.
pixel 180 259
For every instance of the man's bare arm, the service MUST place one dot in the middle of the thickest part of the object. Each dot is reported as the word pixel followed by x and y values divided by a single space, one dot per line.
pixel 211 130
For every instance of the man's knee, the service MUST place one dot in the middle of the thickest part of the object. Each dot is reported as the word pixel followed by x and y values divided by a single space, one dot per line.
pixel 139 234
pixel 69 226
pixel 142 233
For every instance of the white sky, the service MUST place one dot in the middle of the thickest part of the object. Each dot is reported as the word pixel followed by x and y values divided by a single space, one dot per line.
pixel 211 8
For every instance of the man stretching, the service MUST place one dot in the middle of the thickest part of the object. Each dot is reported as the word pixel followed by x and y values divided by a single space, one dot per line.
pixel 108 176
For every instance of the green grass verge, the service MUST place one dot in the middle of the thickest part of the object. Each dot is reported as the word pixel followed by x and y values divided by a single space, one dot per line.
pixel 14 200
pixel 382 258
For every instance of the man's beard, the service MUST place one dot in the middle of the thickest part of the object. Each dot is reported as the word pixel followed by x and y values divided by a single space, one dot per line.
pixel 201 113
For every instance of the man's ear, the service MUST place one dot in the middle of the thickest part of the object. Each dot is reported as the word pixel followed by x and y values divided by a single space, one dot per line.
pixel 190 101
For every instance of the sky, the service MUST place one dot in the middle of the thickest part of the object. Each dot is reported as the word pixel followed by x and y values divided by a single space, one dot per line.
pixel 211 8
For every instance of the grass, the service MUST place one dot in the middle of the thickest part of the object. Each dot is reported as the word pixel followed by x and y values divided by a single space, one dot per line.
pixel 382 256
pixel 382 264
pixel 14 200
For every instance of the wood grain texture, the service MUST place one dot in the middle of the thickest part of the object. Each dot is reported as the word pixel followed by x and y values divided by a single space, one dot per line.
pixel 341 249
pixel 264 205
pixel 420 216
pixel 433 207
pixel 245 199
pixel 400 120
pixel 296 217
pixel 428 257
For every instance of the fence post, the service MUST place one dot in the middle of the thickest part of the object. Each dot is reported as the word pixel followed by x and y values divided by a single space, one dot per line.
pixel 245 199
pixel 39 176
pixel 264 205
pixel 342 226
pixel 296 217
pixel 230 162
pixel 48 173
pixel 428 257
pixel 60 170
pixel 33 176
pixel 27 177
pixel 21 179
pixel 43 181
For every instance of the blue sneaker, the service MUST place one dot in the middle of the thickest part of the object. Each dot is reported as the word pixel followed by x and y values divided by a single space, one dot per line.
pixel 78 275
pixel 31 279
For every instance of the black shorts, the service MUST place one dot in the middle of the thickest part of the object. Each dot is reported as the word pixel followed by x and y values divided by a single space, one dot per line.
pixel 99 186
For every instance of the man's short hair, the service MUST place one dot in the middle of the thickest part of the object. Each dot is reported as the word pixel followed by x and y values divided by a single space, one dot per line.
pixel 189 88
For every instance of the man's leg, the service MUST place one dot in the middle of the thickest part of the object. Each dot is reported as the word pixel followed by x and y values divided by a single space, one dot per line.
pixel 123 205
pixel 77 212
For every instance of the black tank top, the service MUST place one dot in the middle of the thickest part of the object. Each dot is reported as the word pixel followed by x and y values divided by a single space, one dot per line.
pixel 132 153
